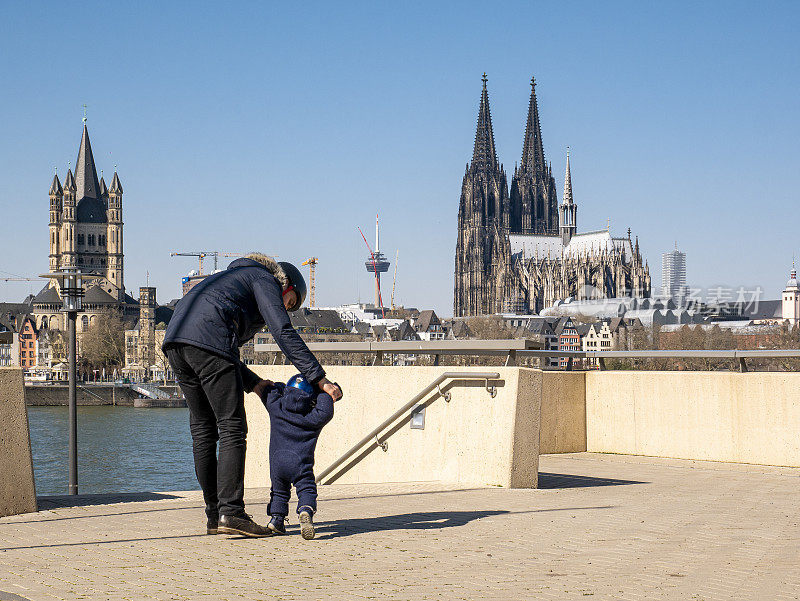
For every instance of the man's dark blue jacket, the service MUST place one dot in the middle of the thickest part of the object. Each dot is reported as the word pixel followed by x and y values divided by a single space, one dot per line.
pixel 295 424
pixel 226 310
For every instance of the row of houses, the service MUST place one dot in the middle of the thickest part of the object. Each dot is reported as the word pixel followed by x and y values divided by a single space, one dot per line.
pixel 563 333
pixel 39 351
pixel 341 324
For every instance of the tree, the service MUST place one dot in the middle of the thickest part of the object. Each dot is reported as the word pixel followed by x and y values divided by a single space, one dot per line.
pixel 103 344
pixel 58 346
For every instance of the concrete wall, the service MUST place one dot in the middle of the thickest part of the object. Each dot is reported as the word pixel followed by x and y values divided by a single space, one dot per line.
pixel 58 394
pixel 563 400
pixel 17 491
pixel 473 439
pixel 719 416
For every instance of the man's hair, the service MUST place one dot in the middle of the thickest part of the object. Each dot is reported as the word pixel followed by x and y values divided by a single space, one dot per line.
pixel 272 266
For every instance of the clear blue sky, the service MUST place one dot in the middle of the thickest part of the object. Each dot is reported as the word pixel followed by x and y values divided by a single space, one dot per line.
pixel 282 126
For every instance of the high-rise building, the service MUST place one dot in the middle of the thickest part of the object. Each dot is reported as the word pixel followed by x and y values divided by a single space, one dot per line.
pixel 513 253
pixel 673 275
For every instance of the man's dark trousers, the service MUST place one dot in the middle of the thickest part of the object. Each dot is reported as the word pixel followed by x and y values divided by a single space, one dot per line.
pixel 214 393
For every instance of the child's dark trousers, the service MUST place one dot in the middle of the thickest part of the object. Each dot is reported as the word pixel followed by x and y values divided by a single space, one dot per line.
pixel 304 485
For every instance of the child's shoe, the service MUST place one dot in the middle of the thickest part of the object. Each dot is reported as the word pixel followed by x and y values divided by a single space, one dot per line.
pixel 276 524
pixel 211 525
pixel 305 514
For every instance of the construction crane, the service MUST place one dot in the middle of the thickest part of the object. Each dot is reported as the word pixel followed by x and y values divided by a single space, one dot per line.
pixel 19 279
pixel 202 254
pixel 394 279
pixel 312 268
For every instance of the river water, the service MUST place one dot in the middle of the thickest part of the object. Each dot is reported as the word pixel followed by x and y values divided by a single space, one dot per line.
pixel 120 449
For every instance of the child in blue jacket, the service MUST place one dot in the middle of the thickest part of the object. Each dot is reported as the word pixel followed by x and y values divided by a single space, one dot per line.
pixel 296 418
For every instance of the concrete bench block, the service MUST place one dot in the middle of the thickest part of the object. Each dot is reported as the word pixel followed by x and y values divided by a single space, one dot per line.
pixel 17 490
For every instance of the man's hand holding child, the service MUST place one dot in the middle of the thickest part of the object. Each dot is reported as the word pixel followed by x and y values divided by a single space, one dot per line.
pixel 331 388
pixel 261 386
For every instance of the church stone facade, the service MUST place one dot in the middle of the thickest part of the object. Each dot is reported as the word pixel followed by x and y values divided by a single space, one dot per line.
pixel 521 252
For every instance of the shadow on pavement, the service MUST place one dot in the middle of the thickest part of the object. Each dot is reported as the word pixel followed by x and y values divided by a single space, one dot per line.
pixel 4 596
pixel 114 541
pixel 429 520
pixel 60 501
pixel 547 480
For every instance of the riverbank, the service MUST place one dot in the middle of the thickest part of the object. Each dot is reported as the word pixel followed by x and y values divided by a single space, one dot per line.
pixel 94 395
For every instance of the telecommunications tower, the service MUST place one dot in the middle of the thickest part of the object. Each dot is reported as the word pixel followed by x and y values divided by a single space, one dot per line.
pixel 377 264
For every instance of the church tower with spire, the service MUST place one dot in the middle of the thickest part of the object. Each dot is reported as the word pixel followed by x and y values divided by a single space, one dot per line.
pixel 85 232
pixel 569 211
pixel 533 189
pixel 113 200
pixel 484 215
pixel 56 195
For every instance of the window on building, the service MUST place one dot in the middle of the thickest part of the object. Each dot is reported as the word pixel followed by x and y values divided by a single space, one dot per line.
pixel 80 238
pixel 85 322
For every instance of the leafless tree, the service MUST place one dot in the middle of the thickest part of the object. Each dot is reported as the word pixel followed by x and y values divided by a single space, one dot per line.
pixel 103 344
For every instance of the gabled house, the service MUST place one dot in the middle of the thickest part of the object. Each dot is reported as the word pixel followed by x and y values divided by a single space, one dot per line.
pixel 405 332
pixel 28 335
pixel 9 349
pixel 597 338
pixel 568 338
pixel 622 330
pixel 541 330
pixel 459 330
pixel 428 326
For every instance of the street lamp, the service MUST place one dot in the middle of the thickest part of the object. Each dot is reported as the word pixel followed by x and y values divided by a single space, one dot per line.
pixel 71 281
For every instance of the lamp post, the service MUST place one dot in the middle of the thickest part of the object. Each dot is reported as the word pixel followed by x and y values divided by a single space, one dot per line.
pixel 71 280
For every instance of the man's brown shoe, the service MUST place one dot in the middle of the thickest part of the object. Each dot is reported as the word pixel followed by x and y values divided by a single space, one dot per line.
pixel 229 524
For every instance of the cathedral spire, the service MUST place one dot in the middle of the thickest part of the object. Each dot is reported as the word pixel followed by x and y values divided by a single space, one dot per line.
pixel 532 148
pixel 569 212
pixel 85 173
pixel 567 183
pixel 484 155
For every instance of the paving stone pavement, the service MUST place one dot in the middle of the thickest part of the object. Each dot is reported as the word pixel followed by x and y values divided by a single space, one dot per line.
pixel 599 526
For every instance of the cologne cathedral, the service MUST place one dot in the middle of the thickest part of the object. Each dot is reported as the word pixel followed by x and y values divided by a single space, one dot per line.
pixel 521 252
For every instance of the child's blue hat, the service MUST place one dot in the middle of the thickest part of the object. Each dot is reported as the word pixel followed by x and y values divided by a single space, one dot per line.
pixel 301 383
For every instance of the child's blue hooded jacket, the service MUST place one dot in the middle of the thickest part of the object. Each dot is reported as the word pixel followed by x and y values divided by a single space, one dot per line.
pixel 296 419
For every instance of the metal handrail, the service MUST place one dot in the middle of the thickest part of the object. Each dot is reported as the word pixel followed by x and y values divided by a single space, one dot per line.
pixel 150 390
pixel 515 348
pixel 373 435
pixel 698 353
pixel 97 396
pixel 431 347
